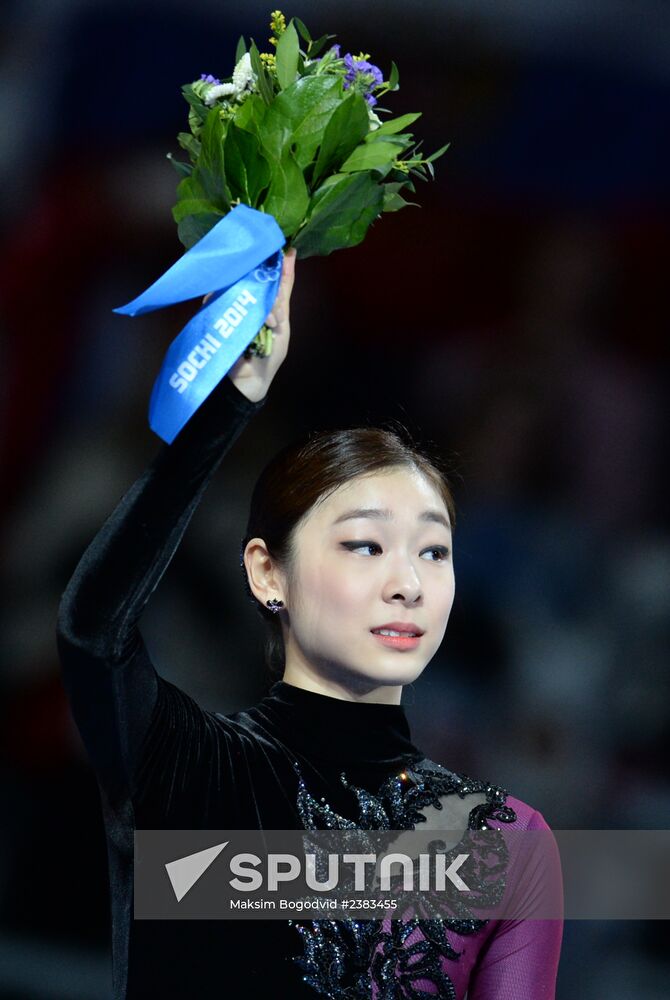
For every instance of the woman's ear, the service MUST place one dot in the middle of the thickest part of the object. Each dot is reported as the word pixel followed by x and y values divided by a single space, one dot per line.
pixel 266 580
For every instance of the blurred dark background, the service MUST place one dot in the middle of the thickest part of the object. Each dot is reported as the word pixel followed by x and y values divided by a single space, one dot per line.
pixel 514 322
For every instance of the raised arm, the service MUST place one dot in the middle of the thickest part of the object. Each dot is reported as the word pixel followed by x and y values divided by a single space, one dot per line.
pixel 110 681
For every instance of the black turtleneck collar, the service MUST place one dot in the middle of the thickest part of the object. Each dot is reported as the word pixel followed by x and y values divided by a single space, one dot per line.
pixel 339 732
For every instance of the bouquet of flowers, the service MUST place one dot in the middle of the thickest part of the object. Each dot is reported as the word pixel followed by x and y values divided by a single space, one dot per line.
pixel 297 133
pixel 292 148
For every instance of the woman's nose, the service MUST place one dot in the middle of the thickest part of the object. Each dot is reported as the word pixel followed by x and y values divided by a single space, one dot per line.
pixel 403 585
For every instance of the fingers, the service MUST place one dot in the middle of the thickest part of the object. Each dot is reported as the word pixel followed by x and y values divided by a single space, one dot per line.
pixel 287 279
pixel 288 271
pixel 280 310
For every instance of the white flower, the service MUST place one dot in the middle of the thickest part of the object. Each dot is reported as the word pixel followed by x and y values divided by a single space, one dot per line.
pixel 243 78
pixel 219 90
pixel 243 75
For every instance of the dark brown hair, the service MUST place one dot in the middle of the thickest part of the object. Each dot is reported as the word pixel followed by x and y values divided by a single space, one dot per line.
pixel 309 470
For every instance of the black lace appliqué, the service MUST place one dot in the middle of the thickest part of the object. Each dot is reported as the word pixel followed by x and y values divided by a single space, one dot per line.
pixel 346 959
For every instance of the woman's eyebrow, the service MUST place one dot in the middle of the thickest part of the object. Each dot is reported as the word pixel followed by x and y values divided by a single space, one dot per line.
pixel 387 515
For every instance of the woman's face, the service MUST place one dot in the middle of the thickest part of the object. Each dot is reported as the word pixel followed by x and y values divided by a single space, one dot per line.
pixel 374 555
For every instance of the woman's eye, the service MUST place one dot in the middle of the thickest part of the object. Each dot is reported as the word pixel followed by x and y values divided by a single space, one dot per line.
pixel 357 546
pixel 438 553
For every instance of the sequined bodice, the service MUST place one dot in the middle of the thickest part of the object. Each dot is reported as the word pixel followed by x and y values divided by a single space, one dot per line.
pixel 391 959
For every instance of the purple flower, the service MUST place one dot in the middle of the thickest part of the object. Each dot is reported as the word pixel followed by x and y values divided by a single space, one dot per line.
pixel 363 76
pixel 208 78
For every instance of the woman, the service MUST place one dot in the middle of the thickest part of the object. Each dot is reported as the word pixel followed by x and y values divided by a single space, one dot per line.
pixel 348 556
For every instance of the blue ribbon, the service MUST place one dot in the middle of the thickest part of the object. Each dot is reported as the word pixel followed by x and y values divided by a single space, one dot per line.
pixel 240 260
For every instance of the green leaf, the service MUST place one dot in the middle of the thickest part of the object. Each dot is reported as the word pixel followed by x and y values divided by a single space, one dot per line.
pixel 192 206
pixel 189 142
pixel 193 227
pixel 211 172
pixel 322 189
pixel 393 201
pixel 316 46
pixel 348 125
pixel 247 170
pixel 241 49
pixel 311 70
pixel 368 156
pixel 342 215
pixel 440 151
pixel 183 169
pixel 402 141
pixel 264 84
pixel 287 198
pixel 195 102
pixel 393 187
pixel 302 30
pixel 191 188
pixel 400 176
pixel 288 49
pixel 299 115
pixel 421 171
pixel 251 114
pixel 194 121
pixel 194 213
pixel 394 125
pixel 394 77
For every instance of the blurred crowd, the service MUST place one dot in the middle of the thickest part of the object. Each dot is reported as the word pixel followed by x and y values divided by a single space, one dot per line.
pixel 513 323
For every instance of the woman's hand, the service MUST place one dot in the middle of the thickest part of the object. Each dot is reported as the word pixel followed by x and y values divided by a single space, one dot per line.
pixel 252 376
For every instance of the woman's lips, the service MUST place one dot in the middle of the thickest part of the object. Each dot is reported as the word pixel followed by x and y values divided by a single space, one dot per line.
pixel 398 641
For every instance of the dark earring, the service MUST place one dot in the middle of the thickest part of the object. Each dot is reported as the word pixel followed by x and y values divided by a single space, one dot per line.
pixel 274 604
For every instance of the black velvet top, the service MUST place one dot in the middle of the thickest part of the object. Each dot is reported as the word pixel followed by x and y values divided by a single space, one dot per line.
pixel 162 762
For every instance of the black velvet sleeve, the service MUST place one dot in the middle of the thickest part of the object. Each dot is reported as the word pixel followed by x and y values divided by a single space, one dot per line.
pixel 111 683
